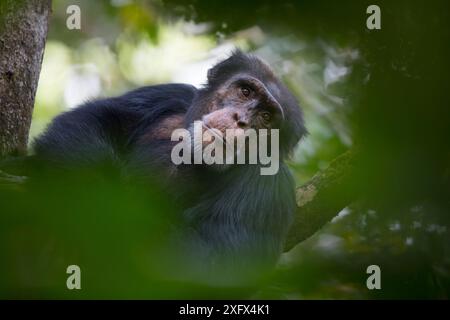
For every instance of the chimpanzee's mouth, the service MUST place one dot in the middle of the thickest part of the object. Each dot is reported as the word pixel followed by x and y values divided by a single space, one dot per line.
pixel 214 133
pixel 227 141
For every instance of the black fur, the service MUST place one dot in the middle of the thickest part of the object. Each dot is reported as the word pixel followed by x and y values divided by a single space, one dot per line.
pixel 107 130
pixel 236 216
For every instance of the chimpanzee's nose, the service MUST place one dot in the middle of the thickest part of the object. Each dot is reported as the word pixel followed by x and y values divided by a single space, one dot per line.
pixel 240 122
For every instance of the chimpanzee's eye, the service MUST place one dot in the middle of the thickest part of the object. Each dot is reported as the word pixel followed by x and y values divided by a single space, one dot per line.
pixel 245 91
pixel 266 116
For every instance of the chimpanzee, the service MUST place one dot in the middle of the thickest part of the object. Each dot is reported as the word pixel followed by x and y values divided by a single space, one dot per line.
pixel 233 217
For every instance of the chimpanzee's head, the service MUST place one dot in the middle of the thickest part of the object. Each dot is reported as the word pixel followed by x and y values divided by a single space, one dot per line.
pixel 243 93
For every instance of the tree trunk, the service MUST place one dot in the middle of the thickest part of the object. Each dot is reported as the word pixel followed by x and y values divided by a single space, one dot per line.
pixel 23 31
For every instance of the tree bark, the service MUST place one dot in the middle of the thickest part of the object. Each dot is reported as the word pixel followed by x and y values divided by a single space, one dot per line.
pixel 23 31
pixel 322 198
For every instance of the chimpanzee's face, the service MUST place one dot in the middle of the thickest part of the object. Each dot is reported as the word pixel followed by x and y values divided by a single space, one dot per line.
pixel 243 94
pixel 236 112
pixel 243 102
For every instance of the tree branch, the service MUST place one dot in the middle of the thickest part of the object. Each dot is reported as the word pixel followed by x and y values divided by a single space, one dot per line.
pixel 321 199
pixel 11 182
